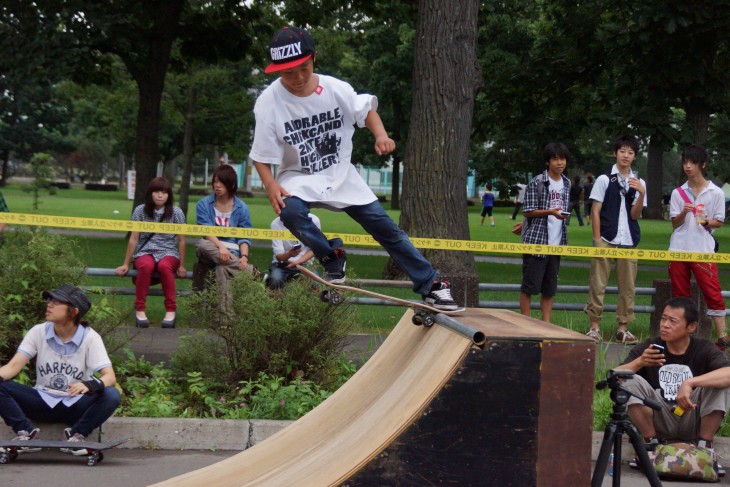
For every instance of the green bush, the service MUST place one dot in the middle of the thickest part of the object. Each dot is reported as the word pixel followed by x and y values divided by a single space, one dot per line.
pixel 154 391
pixel 281 333
pixel 31 261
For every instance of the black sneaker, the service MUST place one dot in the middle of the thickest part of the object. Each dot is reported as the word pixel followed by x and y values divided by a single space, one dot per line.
pixel 440 297
pixel 334 266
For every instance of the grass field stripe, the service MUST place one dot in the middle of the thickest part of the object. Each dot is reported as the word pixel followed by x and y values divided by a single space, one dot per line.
pixel 358 239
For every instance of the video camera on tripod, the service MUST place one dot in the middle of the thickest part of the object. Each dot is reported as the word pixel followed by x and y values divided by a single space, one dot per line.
pixel 617 426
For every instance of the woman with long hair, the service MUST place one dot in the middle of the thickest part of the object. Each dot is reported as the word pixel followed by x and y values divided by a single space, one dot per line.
pixel 161 252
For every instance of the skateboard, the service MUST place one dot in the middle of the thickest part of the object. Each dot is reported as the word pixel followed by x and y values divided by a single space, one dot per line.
pixel 423 314
pixel 94 449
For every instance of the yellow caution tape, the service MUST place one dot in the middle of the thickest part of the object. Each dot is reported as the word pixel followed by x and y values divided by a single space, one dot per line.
pixel 358 239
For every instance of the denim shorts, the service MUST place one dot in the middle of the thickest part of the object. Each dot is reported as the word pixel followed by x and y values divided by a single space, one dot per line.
pixel 540 274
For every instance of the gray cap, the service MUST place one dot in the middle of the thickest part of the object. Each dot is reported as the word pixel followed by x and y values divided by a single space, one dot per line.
pixel 71 295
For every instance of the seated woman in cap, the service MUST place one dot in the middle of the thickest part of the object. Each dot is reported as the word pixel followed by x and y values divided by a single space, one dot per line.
pixel 68 353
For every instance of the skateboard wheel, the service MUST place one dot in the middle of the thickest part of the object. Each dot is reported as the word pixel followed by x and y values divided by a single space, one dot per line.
pixel 428 321
pixel 91 461
pixel 417 320
pixel 335 298
pixel 4 458
pixel 324 296
pixel 101 456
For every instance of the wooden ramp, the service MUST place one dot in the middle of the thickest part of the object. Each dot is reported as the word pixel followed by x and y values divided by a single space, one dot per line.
pixel 355 424
pixel 429 408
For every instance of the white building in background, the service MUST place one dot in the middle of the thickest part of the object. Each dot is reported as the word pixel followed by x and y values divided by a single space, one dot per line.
pixel 378 179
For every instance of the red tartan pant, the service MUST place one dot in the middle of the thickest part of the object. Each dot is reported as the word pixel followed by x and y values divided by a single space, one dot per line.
pixel 707 280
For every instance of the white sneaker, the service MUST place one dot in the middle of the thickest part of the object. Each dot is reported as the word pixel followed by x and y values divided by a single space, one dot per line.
pixel 595 333
pixel 75 438
pixel 27 436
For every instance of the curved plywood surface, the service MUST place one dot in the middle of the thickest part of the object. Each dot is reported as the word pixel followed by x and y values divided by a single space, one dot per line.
pixel 364 416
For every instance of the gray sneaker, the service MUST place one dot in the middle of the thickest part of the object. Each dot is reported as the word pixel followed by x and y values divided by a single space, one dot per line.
pixel 24 435
pixel 71 439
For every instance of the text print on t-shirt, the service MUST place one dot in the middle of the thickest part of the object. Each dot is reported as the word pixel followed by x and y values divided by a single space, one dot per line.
pixel 315 139
pixel 671 377
pixel 556 196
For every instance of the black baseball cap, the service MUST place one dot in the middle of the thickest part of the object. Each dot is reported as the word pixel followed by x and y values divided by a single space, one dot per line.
pixel 289 47
pixel 71 295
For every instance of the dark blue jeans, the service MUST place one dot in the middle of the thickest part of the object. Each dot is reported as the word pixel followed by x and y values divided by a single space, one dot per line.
pixel 19 404
pixel 376 222
pixel 280 275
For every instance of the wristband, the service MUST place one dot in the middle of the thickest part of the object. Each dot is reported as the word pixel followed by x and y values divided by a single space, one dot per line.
pixel 95 386
pixel 244 255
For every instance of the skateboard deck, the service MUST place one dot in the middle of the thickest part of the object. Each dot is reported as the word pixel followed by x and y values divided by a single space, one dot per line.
pixel 94 450
pixel 423 313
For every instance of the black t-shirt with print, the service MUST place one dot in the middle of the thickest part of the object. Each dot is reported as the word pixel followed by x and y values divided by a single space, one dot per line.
pixel 700 358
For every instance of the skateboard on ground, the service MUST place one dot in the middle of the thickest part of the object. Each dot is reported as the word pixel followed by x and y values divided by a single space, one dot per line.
pixel 423 314
pixel 94 450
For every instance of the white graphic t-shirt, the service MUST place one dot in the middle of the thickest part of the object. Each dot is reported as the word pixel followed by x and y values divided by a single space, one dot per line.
pixel 310 138
pixel 555 225
pixel 671 377
pixel 55 372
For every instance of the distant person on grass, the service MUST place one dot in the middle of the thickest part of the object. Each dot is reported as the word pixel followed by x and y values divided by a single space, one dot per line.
pixel 545 209
pixel 587 202
pixel 304 124
pixel 576 199
pixel 487 204
pixel 519 199
pixel 697 208
pixel 152 251
pixel 3 208
pixel 619 196
pixel 68 354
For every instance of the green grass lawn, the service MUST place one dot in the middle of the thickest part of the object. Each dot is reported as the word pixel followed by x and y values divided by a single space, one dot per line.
pixel 109 252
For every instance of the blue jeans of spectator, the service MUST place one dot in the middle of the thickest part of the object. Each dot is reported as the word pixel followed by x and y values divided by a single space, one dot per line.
pixel 280 275
pixel 20 403
pixel 376 222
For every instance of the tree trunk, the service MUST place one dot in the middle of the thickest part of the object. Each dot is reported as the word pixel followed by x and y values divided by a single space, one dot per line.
pixel 6 161
pixel 395 185
pixel 188 149
pixel 654 179
pixel 445 79
pixel 149 73
pixel 697 114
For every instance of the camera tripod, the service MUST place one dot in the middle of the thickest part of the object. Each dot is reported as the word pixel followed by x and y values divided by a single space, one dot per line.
pixel 613 436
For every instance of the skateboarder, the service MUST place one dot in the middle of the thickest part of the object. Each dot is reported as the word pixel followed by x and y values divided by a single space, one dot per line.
pixel 68 353
pixel 304 124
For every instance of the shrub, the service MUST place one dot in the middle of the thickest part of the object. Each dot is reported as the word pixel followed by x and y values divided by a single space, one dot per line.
pixel 31 261
pixel 276 332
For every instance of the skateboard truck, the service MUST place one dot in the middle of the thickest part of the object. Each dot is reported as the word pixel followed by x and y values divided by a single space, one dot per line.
pixel 331 297
pixel 423 314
